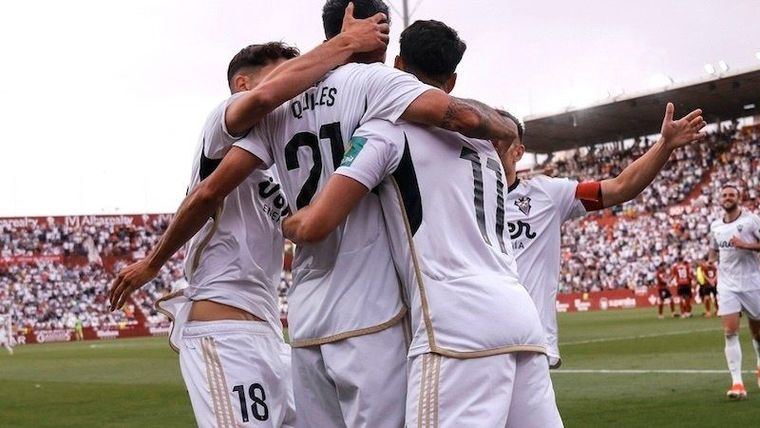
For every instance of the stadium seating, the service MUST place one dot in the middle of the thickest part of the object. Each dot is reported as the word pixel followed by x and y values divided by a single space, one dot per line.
pixel 668 221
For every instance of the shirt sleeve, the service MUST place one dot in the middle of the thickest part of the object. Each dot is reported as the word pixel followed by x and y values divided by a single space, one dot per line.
pixel 562 191
pixel 713 241
pixel 389 92
pixel 374 154
pixel 216 138
pixel 260 140
pixel 756 227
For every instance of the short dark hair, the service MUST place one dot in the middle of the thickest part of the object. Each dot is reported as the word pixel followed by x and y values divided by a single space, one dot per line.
pixel 259 56
pixel 432 48
pixel 731 185
pixel 333 11
pixel 513 118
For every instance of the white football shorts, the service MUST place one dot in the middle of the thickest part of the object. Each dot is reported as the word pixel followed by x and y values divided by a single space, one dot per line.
pixel 237 374
pixel 732 302
pixel 506 390
pixel 359 382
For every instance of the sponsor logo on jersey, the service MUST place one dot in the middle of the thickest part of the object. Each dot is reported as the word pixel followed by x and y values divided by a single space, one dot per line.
pixel 523 204
pixel 519 228
pixel 278 207
pixel 357 144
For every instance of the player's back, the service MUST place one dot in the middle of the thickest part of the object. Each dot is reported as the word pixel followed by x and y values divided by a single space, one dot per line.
pixel 346 283
pixel 443 201
pixel 682 273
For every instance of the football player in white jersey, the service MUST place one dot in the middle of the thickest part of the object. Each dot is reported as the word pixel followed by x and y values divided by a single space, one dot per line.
pixel 6 333
pixel 226 322
pixel 345 306
pixel 358 374
pixel 477 354
pixel 537 207
pixel 735 244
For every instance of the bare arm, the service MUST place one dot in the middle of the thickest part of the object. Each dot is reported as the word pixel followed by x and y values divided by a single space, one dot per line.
pixel 195 210
pixel 641 172
pixel 468 117
pixel 296 75
pixel 330 208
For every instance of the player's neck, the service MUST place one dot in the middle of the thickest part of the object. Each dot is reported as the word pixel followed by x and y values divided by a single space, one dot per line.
pixel 730 216
pixel 511 177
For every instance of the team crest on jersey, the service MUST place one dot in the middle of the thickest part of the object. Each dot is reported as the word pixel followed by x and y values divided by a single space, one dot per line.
pixel 739 227
pixel 523 204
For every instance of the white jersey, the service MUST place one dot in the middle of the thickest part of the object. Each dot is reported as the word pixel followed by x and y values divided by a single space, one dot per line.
pixel 536 209
pixel 345 285
pixel 4 328
pixel 738 270
pixel 237 257
pixel 443 201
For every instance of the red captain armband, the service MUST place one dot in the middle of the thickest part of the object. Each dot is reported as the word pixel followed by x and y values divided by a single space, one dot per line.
pixel 590 195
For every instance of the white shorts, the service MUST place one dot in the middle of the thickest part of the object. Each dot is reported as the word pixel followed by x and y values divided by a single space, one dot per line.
pixel 507 390
pixel 237 374
pixel 356 382
pixel 733 302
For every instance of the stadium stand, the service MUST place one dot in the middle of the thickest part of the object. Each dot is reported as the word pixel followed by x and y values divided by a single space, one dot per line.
pixel 668 221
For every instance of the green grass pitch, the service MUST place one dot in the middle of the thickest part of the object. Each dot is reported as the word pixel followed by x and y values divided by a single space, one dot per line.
pixel 136 382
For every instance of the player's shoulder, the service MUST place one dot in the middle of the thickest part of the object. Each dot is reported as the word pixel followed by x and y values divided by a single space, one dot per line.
pixel 752 216
pixel 359 70
pixel 716 223
pixel 551 184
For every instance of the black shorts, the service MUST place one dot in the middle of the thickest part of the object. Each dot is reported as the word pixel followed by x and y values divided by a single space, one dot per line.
pixel 684 291
pixel 706 290
pixel 664 293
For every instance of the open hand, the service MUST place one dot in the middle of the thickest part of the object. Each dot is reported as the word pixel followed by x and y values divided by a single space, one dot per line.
pixel 682 131
pixel 128 280
pixel 366 35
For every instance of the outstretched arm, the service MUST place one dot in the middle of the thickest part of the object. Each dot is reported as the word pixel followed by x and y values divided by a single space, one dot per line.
pixel 195 210
pixel 296 75
pixel 639 174
pixel 468 117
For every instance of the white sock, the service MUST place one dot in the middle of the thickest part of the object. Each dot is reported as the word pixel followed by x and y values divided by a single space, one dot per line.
pixel 756 345
pixel 734 357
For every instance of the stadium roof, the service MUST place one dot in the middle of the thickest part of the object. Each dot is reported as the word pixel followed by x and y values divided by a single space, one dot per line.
pixel 722 98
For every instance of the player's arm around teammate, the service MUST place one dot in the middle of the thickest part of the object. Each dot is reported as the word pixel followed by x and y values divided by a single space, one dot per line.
pixel 297 75
pixel 260 97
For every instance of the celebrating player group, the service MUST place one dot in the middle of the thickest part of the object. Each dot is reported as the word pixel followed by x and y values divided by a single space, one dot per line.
pixel 425 271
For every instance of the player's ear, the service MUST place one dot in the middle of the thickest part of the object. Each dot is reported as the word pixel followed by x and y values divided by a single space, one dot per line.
pixel 450 83
pixel 240 83
pixel 519 151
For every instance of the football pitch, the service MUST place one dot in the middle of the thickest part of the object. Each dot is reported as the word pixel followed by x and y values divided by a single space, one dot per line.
pixel 621 368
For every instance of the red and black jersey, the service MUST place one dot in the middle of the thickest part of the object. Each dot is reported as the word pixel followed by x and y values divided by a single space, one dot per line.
pixel 682 273
pixel 662 279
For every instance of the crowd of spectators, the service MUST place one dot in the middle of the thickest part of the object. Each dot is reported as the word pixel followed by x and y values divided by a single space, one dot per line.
pixel 52 239
pixel 65 279
pixel 654 227
pixel 51 295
